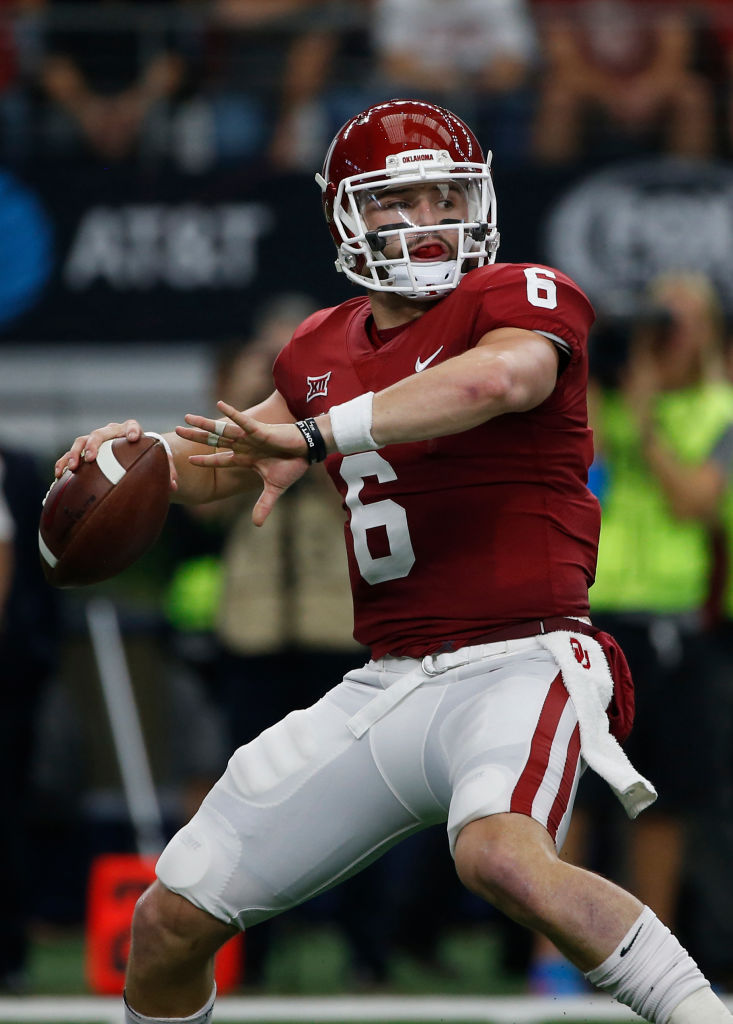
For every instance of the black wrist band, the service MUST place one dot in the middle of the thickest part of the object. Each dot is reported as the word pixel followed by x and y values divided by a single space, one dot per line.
pixel 313 438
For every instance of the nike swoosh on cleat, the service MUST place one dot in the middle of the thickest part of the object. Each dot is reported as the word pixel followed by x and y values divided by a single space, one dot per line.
pixel 624 951
pixel 420 364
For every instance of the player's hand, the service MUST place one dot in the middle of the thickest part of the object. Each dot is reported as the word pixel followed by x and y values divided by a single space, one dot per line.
pixel 276 451
pixel 242 440
pixel 86 447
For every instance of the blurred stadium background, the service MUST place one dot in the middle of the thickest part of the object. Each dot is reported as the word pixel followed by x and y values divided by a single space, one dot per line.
pixel 157 204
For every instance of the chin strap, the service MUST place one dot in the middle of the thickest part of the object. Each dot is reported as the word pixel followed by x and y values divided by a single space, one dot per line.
pixel 431 275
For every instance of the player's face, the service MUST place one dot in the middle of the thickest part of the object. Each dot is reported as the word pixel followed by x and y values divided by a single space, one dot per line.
pixel 433 204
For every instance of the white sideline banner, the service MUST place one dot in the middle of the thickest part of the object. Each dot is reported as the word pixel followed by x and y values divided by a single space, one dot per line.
pixel 342 1009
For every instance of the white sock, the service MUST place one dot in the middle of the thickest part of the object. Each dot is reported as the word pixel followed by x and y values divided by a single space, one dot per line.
pixel 651 972
pixel 203 1016
pixel 702 1007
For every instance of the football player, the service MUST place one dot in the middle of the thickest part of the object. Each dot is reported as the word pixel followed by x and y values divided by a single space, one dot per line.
pixel 449 405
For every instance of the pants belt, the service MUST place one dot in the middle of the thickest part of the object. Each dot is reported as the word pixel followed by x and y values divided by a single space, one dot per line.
pixel 435 664
pixel 535 627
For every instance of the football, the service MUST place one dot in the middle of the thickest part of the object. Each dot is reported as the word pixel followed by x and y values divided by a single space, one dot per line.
pixel 98 520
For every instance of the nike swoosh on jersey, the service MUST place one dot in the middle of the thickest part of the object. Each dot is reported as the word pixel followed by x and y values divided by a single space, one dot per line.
pixel 420 364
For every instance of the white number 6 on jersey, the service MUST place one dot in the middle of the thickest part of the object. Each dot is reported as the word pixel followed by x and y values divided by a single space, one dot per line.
pixel 386 514
pixel 541 287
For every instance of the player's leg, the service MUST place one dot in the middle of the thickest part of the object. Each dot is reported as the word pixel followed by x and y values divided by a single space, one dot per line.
pixel 514 754
pixel 511 861
pixel 170 972
pixel 300 808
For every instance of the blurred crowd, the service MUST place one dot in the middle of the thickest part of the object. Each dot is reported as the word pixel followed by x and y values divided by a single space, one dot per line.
pixel 201 85
pixel 204 83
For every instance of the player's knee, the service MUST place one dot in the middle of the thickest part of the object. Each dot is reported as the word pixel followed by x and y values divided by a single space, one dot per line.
pixel 163 925
pixel 169 929
pixel 497 872
pixel 489 873
pixel 151 933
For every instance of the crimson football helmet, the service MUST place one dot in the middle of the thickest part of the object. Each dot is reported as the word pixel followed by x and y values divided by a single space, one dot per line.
pixel 378 161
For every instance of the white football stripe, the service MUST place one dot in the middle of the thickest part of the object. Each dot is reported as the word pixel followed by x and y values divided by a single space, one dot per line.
pixel 163 440
pixel 109 464
pixel 46 553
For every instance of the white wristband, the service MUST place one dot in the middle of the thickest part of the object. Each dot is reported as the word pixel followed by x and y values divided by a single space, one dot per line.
pixel 351 424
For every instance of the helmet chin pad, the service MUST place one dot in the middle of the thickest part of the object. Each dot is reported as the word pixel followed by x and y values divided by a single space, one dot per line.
pixel 424 280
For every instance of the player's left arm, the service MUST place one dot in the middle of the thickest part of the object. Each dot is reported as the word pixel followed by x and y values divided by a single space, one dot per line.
pixel 509 370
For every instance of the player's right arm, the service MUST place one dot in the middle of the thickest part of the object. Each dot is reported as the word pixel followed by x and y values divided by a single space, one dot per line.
pixel 190 484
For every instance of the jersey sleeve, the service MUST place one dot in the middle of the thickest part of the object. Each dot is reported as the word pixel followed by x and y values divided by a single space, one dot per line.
pixel 283 372
pixel 536 298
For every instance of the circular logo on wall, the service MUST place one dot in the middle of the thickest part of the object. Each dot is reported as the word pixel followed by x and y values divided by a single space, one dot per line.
pixel 25 248
pixel 618 229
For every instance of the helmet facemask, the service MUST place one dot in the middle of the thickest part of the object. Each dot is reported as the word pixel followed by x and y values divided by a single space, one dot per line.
pixel 387 244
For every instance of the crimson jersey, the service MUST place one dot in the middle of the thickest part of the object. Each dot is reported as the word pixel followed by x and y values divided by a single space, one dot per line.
pixel 452 537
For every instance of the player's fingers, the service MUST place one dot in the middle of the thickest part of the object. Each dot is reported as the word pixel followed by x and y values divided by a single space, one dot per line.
pixel 220 458
pixel 130 429
pixel 216 433
pixel 264 505
pixel 86 446
pixel 200 435
pixel 245 422
pixel 266 502
pixel 196 434
pixel 206 422
pixel 71 458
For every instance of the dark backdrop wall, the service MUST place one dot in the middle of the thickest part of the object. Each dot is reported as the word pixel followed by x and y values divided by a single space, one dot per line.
pixel 109 255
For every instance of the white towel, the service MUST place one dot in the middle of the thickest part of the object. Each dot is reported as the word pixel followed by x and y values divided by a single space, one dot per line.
pixel 587 679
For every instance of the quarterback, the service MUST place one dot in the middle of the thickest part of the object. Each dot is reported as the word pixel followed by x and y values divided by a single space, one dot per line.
pixel 449 407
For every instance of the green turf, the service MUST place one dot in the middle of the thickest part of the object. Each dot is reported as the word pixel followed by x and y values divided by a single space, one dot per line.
pixel 57 964
pixel 315 962
pixel 311 961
